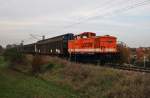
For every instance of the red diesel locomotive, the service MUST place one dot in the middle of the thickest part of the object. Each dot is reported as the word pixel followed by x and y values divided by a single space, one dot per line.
pixel 89 43
pixel 89 47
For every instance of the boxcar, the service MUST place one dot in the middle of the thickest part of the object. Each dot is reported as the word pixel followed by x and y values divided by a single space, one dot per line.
pixel 30 48
pixel 55 46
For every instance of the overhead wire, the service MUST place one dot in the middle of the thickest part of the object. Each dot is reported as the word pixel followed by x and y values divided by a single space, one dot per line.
pixel 129 7
pixel 106 6
pixel 108 10
pixel 121 3
pixel 113 12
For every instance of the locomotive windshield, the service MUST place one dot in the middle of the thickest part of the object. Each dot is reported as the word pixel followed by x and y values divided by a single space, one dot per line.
pixel 85 35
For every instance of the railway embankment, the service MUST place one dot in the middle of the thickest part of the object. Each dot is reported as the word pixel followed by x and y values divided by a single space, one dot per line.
pixel 86 80
pixel 17 84
pixel 92 81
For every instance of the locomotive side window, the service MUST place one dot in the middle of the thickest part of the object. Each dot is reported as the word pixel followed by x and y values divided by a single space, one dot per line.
pixel 93 34
pixel 84 36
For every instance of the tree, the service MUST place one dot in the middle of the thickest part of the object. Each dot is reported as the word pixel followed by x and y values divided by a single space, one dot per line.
pixel 149 55
pixel 124 54
pixel 1 49
pixel 10 46
pixel 13 56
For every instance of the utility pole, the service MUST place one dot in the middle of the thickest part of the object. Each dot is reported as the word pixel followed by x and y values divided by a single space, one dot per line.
pixel 22 42
pixel 43 37
pixel 144 61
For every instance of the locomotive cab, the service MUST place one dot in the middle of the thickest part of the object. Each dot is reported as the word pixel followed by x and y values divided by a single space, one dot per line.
pixel 85 35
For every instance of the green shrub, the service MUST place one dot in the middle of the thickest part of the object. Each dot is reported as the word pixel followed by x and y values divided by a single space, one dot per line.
pixel 3 63
pixel 13 56
pixel 47 67
pixel 37 62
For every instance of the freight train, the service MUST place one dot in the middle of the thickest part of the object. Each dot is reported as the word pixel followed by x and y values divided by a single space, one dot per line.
pixel 85 47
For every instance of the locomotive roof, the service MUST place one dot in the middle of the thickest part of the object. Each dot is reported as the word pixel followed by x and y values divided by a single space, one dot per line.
pixel 29 44
pixel 53 38
pixel 107 36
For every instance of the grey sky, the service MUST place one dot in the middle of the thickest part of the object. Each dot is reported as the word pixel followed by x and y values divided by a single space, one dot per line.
pixel 20 18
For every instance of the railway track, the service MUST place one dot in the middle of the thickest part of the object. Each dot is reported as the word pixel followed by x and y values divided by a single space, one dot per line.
pixel 133 68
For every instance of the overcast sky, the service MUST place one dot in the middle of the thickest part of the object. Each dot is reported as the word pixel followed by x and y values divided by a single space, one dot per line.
pixel 128 20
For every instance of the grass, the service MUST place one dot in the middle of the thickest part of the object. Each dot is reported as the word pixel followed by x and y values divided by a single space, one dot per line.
pixel 89 81
pixel 3 63
pixel 13 85
pixel 63 79
pixel 17 85
pixel 98 82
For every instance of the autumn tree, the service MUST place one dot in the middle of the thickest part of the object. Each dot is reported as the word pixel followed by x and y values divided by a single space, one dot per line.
pixel 124 53
pixel 149 55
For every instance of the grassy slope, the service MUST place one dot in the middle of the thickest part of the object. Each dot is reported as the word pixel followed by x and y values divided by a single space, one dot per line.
pixel 14 84
pixel 98 82
pixel 88 81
